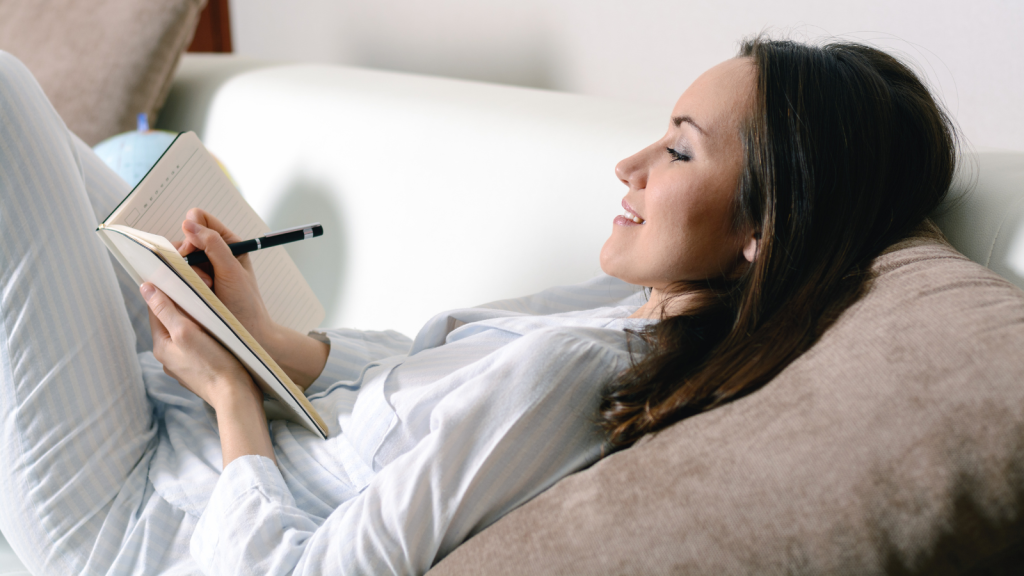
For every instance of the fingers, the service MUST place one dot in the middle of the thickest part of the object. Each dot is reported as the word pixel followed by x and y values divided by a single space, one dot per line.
pixel 185 248
pixel 206 278
pixel 207 220
pixel 212 239
pixel 157 329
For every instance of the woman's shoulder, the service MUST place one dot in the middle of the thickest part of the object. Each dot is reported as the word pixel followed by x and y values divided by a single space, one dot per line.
pixel 602 290
pixel 546 367
pixel 575 342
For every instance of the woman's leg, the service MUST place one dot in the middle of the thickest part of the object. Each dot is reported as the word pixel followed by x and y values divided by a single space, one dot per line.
pixel 106 190
pixel 75 422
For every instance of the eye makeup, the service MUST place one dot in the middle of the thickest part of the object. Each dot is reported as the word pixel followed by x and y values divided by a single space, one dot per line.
pixel 683 155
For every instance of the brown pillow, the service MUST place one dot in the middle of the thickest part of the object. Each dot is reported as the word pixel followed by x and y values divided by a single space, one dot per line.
pixel 100 62
pixel 894 445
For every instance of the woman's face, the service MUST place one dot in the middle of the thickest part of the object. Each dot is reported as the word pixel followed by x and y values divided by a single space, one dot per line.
pixel 678 222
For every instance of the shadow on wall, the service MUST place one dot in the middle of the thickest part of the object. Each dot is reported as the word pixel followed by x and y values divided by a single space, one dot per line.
pixel 305 201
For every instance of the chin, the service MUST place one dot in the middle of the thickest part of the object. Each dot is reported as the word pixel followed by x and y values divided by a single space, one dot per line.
pixel 609 263
pixel 621 274
pixel 617 263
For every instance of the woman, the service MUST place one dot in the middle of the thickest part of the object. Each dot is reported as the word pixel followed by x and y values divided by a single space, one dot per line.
pixel 782 174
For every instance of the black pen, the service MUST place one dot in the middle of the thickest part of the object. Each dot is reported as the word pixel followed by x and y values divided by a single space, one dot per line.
pixel 273 239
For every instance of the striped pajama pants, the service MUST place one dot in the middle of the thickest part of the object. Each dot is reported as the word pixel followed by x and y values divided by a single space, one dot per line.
pixel 77 429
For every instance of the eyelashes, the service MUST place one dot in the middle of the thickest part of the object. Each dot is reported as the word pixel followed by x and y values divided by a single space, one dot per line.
pixel 677 155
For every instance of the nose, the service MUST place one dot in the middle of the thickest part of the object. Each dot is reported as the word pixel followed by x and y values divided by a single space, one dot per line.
pixel 632 171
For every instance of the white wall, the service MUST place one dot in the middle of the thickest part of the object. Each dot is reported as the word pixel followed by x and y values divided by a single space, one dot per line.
pixel 972 52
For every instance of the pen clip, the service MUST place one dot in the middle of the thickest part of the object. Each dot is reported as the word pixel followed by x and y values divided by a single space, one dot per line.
pixel 307 228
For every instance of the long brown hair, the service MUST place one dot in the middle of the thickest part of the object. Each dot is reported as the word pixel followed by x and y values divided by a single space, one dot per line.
pixel 845 152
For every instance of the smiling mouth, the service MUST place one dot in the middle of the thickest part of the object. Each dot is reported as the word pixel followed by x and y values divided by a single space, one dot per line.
pixel 629 214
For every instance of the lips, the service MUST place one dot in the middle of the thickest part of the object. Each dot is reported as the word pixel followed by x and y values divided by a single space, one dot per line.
pixel 631 214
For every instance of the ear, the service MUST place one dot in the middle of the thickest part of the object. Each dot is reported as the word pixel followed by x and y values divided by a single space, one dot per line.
pixel 750 246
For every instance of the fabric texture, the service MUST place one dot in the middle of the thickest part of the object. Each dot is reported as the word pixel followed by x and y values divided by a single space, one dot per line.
pixel 100 62
pixel 893 446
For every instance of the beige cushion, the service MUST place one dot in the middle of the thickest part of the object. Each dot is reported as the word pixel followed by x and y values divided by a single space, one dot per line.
pixel 100 62
pixel 895 445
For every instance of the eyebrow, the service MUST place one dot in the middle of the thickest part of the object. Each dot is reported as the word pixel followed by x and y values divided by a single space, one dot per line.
pixel 678 120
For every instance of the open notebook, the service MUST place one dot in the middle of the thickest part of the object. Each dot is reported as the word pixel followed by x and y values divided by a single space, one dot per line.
pixel 139 233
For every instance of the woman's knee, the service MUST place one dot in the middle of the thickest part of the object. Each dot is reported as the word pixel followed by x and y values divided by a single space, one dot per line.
pixel 14 75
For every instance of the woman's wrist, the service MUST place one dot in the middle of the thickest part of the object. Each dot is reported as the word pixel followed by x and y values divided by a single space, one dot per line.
pixel 301 357
pixel 235 392
pixel 242 422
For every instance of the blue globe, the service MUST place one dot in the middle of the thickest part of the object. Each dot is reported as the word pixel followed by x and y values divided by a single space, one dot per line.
pixel 132 154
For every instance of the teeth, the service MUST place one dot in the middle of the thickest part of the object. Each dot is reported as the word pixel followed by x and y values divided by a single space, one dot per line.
pixel 630 216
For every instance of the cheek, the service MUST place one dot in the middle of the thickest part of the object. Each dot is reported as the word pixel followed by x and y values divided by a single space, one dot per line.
pixel 705 204
pixel 696 239
pixel 708 206
pixel 689 236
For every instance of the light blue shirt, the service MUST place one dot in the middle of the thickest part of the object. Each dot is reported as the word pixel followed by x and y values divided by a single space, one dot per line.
pixel 431 441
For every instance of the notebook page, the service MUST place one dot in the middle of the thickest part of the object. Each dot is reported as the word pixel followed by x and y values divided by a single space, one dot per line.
pixel 187 176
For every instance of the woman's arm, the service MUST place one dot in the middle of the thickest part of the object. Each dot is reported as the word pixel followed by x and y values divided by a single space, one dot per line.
pixel 299 355
pixel 243 425
pixel 233 280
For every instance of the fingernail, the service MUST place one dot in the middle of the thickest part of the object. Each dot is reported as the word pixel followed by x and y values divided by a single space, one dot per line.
pixel 191 226
pixel 147 291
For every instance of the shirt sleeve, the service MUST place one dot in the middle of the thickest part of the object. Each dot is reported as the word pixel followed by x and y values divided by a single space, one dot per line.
pixel 517 426
pixel 351 350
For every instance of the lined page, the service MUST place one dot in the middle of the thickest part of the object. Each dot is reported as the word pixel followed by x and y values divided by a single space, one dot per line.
pixel 187 176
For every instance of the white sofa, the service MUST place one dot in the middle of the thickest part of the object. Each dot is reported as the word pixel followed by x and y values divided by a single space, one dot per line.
pixel 434 193
pixel 439 193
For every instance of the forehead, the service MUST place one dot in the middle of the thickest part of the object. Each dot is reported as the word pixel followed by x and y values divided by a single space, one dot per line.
pixel 720 98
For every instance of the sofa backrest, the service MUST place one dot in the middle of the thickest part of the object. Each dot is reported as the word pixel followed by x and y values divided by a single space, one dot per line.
pixel 983 217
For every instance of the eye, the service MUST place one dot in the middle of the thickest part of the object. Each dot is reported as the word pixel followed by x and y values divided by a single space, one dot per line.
pixel 677 155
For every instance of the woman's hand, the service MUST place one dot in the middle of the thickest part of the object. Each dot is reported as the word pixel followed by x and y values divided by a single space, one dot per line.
pixel 202 365
pixel 231 277
pixel 234 282
pixel 190 355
